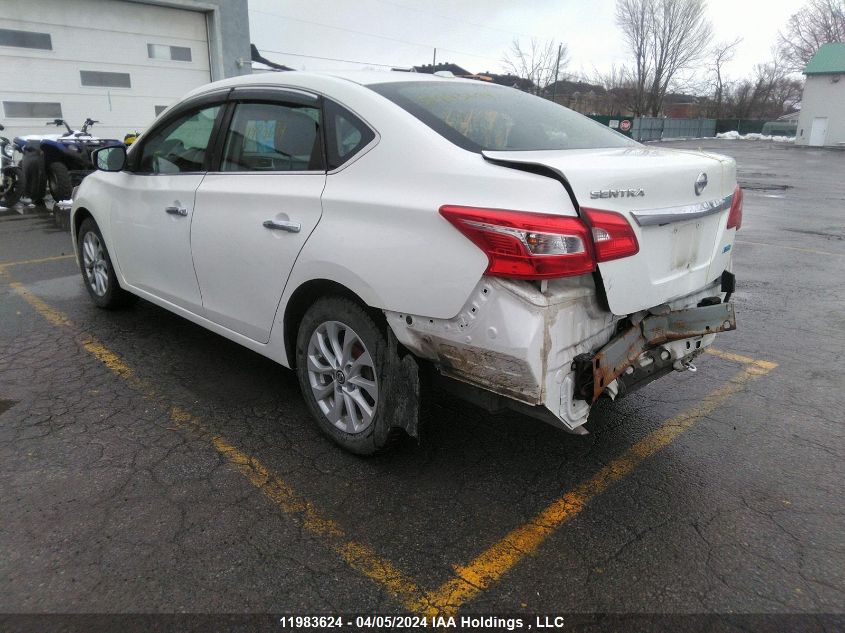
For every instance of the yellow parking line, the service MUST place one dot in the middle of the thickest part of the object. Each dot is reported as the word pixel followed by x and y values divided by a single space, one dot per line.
pixel 489 567
pixel 485 569
pixel 739 358
pixel 51 314
pixel 792 248
pixel 42 260
pixel 360 557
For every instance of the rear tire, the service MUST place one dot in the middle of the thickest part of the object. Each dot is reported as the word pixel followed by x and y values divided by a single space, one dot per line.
pixel 59 182
pixel 97 271
pixel 340 361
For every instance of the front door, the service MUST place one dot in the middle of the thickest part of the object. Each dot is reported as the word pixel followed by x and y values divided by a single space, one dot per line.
pixel 254 214
pixel 151 218
pixel 818 132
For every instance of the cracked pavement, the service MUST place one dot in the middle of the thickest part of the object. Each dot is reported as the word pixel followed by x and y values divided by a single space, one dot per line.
pixel 108 506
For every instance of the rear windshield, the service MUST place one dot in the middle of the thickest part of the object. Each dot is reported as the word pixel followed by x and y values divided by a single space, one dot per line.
pixel 477 116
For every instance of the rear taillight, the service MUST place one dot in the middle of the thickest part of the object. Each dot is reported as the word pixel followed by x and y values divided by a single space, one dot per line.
pixel 735 215
pixel 525 245
pixel 613 237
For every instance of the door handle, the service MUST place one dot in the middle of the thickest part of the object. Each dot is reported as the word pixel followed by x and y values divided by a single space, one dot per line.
pixel 282 225
pixel 176 211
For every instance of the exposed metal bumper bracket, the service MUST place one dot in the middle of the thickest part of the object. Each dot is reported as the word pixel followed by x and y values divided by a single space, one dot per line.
pixel 593 373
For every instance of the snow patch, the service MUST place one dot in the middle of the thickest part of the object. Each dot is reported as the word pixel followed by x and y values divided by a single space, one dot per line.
pixel 733 135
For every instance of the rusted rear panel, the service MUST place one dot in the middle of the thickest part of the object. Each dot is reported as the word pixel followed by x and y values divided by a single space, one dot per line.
pixel 624 349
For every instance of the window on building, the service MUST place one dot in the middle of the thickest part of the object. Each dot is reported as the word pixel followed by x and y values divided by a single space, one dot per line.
pixel 26 39
pixel 173 53
pixel 105 79
pixel 273 137
pixel 32 110
pixel 160 109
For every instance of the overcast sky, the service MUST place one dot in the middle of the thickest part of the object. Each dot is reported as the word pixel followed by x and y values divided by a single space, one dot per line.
pixel 476 33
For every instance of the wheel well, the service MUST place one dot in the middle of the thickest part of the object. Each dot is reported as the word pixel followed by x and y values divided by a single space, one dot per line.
pixel 78 219
pixel 305 296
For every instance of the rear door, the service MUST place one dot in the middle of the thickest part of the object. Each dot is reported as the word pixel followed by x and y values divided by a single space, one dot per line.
pixel 258 206
pixel 677 203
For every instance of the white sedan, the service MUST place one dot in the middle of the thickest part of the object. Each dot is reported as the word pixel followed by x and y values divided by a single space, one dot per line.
pixel 373 230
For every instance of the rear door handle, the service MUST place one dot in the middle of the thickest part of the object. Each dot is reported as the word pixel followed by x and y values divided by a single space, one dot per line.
pixel 282 225
pixel 176 211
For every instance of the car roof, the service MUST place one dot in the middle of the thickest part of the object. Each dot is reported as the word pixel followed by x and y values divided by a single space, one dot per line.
pixel 366 77
pixel 304 78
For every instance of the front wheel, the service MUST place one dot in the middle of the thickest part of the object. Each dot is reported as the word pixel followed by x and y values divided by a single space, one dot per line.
pixel 97 271
pixel 340 361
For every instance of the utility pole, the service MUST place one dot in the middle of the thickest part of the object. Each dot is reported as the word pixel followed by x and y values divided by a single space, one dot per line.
pixel 434 60
pixel 557 67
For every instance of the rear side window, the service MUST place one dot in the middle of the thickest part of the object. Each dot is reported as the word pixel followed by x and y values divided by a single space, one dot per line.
pixel 478 116
pixel 346 134
pixel 273 137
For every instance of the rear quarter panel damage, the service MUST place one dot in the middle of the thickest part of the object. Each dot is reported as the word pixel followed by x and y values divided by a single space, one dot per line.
pixel 514 340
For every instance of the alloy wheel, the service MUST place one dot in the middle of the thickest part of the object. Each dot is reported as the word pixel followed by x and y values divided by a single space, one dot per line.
pixel 342 376
pixel 96 265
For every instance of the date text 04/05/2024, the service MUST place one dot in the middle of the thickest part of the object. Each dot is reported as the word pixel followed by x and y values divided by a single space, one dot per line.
pixel 413 622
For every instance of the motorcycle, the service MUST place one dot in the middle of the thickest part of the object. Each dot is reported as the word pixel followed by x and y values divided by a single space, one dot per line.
pixel 65 158
pixel 10 173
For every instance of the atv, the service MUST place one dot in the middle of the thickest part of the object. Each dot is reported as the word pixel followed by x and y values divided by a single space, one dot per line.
pixel 67 156
pixel 10 174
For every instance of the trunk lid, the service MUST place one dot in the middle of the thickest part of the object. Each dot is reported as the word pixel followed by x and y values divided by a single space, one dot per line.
pixel 683 242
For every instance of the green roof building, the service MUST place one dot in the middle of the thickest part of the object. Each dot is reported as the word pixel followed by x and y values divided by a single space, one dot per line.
pixel 822 119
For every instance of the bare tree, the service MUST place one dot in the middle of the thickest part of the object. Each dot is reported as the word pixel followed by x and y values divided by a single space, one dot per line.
pixel 620 89
pixel 634 16
pixel 664 37
pixel 770 92
pixel 722 54
pixel 818 22
pixel 538 62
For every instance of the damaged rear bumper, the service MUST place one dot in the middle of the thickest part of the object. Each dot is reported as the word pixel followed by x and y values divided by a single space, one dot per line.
pixel 551 353
pixel 637 356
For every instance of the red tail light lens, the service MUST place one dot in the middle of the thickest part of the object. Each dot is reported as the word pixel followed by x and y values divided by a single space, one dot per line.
pixel 613 236
pixel 523 245
pixel 735 215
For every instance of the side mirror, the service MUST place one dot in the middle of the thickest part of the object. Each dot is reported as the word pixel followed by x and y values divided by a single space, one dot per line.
pixel 110 158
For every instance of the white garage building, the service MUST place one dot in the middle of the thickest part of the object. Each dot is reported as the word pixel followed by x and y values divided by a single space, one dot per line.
pixel 822 118
pixel 120 62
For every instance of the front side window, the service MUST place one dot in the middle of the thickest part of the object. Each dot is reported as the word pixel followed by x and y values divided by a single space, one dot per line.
pixel 346 134
pixel 478 117
pixel 273 137
pixel 181 145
